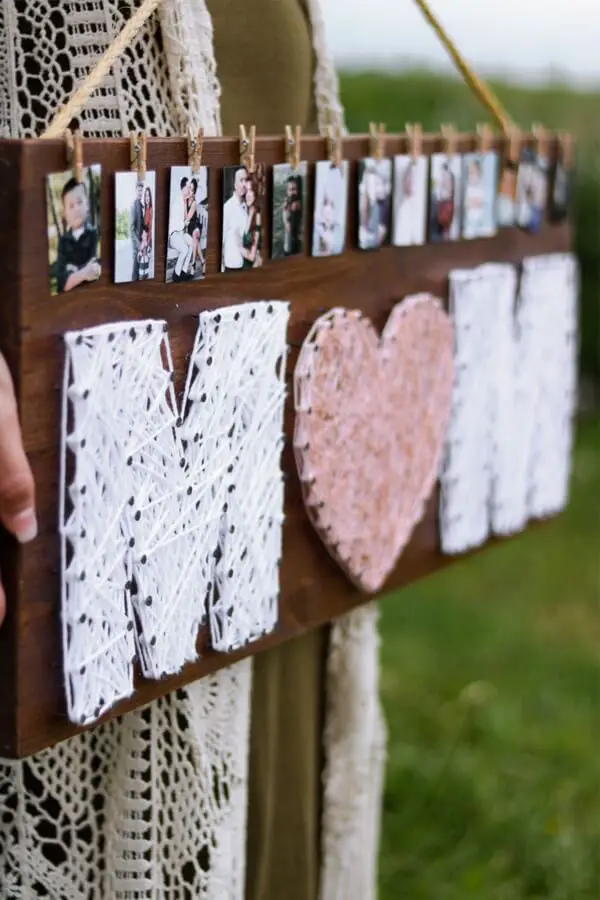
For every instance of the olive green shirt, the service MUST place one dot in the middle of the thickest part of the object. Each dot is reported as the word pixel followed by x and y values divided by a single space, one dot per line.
pixel 265 65
pixel 264 55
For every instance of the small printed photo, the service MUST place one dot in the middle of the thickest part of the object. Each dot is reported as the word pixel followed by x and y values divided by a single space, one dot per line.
pixel 532 190
pixel 243 224
pixel 480 180
pixel 289 210
pixel 561 193
pixel 506 208
pixel 374 202
pixel 188 224
pixel 134 227
pixel 331 204
pixel 410 200
pixel 444 200
pixel 73 222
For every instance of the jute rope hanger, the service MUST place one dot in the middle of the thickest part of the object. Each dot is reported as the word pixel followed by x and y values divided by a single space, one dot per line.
pixel 94 79
pixel 481 90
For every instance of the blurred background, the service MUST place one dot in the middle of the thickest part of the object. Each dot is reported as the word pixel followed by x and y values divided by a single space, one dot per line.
pixel 491 670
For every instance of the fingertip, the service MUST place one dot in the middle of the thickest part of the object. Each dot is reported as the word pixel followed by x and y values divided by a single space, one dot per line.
pixel 2 604
pixel 24 526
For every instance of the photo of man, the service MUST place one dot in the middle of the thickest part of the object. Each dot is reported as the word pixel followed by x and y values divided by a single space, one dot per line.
pixel 289 206
pixel 73 221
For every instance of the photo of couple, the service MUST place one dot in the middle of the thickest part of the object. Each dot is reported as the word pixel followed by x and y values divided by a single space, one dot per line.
pixel 188 224
pixel 374 202
pixel 134 230
pixel 410 200
pixel 331 201
pixel 73 223
pixel 289 206
pixel 244 194
pixel 480 193
pixel 532 190
pixel 444 210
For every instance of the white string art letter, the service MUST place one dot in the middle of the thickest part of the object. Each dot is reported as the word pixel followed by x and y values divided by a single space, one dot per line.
pixel 169 509
pixel 233 429
pixel 508 450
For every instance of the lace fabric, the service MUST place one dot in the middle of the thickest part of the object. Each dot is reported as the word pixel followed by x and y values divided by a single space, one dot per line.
pixel 153 805
pixel 148 806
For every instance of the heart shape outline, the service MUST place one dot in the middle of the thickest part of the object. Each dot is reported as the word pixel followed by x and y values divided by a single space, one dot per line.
pixel 367 470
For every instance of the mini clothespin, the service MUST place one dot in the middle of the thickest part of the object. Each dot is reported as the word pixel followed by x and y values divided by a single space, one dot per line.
pixel 415 139
pixel 542 139
pixel 195 146
pixel 486 137
pixel 334 145
pixel 450 135
pixel 292 144
pixel 74 153
pixel 377 140
pixel 139 143
pixel 248 147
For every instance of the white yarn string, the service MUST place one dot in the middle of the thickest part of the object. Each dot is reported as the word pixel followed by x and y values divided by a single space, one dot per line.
pixel 170 510
pixel 550 289
pixel 234 398
pixel 509 444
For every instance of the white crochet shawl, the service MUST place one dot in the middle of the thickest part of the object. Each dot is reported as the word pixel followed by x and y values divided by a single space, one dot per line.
pixel 154 805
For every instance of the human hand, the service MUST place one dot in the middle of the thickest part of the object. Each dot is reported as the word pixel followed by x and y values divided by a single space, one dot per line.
pixel 92 270
pixel 17 490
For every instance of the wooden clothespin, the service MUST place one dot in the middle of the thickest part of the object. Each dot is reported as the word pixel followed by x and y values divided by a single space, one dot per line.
pixel 415 139
pixel 139 143
pixel 248 147
pixel 74 153
pixel 195 147
pixel 377 140
pixel 486 137
pixel 542 139
pixel 334 145
pixel 450 135
pixel 292 146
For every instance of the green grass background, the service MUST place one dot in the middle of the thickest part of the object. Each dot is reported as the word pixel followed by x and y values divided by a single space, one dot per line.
pixel 491 669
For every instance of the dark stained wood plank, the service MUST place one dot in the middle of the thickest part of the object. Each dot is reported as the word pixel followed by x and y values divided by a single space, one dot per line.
pixel 10 347
pixel 313 588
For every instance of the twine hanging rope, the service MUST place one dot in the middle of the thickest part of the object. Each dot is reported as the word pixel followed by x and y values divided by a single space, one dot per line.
pixel 481 90
pixel 93 81
pixel 125 38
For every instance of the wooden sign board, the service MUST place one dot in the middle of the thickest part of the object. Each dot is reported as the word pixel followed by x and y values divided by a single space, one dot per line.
pixel 32 323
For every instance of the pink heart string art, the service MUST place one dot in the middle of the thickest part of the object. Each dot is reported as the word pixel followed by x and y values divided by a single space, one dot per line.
pixel 371 419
